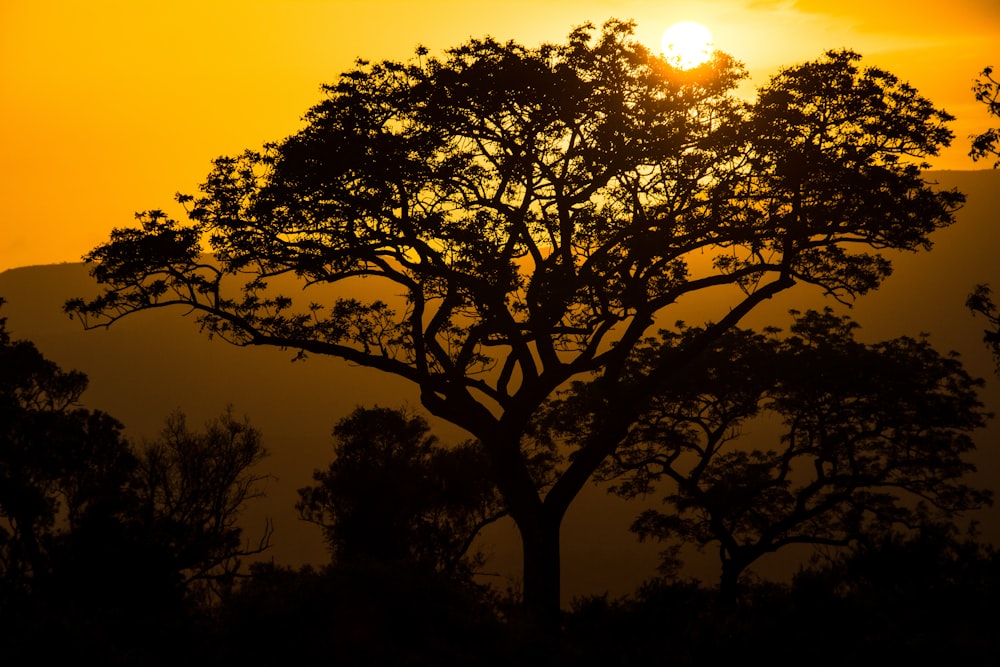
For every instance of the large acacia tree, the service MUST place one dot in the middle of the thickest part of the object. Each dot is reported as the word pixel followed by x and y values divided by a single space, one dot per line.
pixel 527 214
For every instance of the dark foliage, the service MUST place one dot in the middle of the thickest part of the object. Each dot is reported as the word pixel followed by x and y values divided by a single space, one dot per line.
pixel 987 91
pixel 360 614
pixel 394 495
pixel 191 487
pixel 923 598
pixel 109 548
pixel 63 469
pixel 980 301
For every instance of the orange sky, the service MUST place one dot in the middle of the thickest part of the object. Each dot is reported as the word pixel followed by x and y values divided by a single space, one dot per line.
pixel 110 107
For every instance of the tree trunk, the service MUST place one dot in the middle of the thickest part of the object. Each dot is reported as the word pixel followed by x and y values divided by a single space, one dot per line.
pixel 538 521
pixel 540 545
pixel 729 586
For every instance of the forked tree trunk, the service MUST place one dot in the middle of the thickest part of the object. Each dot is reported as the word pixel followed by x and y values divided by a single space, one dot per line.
pixel 537 523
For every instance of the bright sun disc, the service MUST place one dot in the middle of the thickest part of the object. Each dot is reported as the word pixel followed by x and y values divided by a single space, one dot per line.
pixel 687 44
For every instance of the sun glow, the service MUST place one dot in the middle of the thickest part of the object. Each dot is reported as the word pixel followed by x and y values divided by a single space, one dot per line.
pixel 687 44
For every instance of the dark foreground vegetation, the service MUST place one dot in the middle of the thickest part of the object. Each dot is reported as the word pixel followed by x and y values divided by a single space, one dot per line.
pixel 927 600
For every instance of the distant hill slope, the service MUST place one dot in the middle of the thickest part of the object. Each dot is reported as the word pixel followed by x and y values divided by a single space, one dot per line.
pixel 153 363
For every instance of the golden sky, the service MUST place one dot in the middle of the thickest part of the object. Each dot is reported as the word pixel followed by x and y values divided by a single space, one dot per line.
pixel 110 107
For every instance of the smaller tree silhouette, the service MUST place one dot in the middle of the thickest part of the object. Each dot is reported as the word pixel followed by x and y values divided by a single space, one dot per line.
pixel 987 91
pixel 980 302
pixel 61 466
pixel 86 518
pixel 109 547
pixel 394 494
pixel 191 487
pixel 871 436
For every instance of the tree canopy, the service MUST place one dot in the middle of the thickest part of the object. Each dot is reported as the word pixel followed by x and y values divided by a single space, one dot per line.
pixel 526 214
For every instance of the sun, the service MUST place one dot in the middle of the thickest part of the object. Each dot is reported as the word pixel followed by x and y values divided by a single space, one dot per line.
pixel 687 44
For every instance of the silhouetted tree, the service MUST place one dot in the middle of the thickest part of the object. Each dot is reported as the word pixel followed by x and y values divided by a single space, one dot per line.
pixel 868 430
pixel 105 549
pixel 191 488
pixel 61 467
pixel 394 494
pixel 987 91
pixel 536 209
pixel 980 302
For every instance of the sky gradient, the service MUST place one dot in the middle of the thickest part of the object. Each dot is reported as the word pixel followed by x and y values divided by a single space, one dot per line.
pixel 107 108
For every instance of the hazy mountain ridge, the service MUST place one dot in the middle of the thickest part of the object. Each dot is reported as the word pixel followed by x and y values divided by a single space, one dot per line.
pixel 148 365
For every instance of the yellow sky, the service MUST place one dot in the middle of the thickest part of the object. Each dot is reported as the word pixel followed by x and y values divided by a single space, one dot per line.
pixel 109 107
